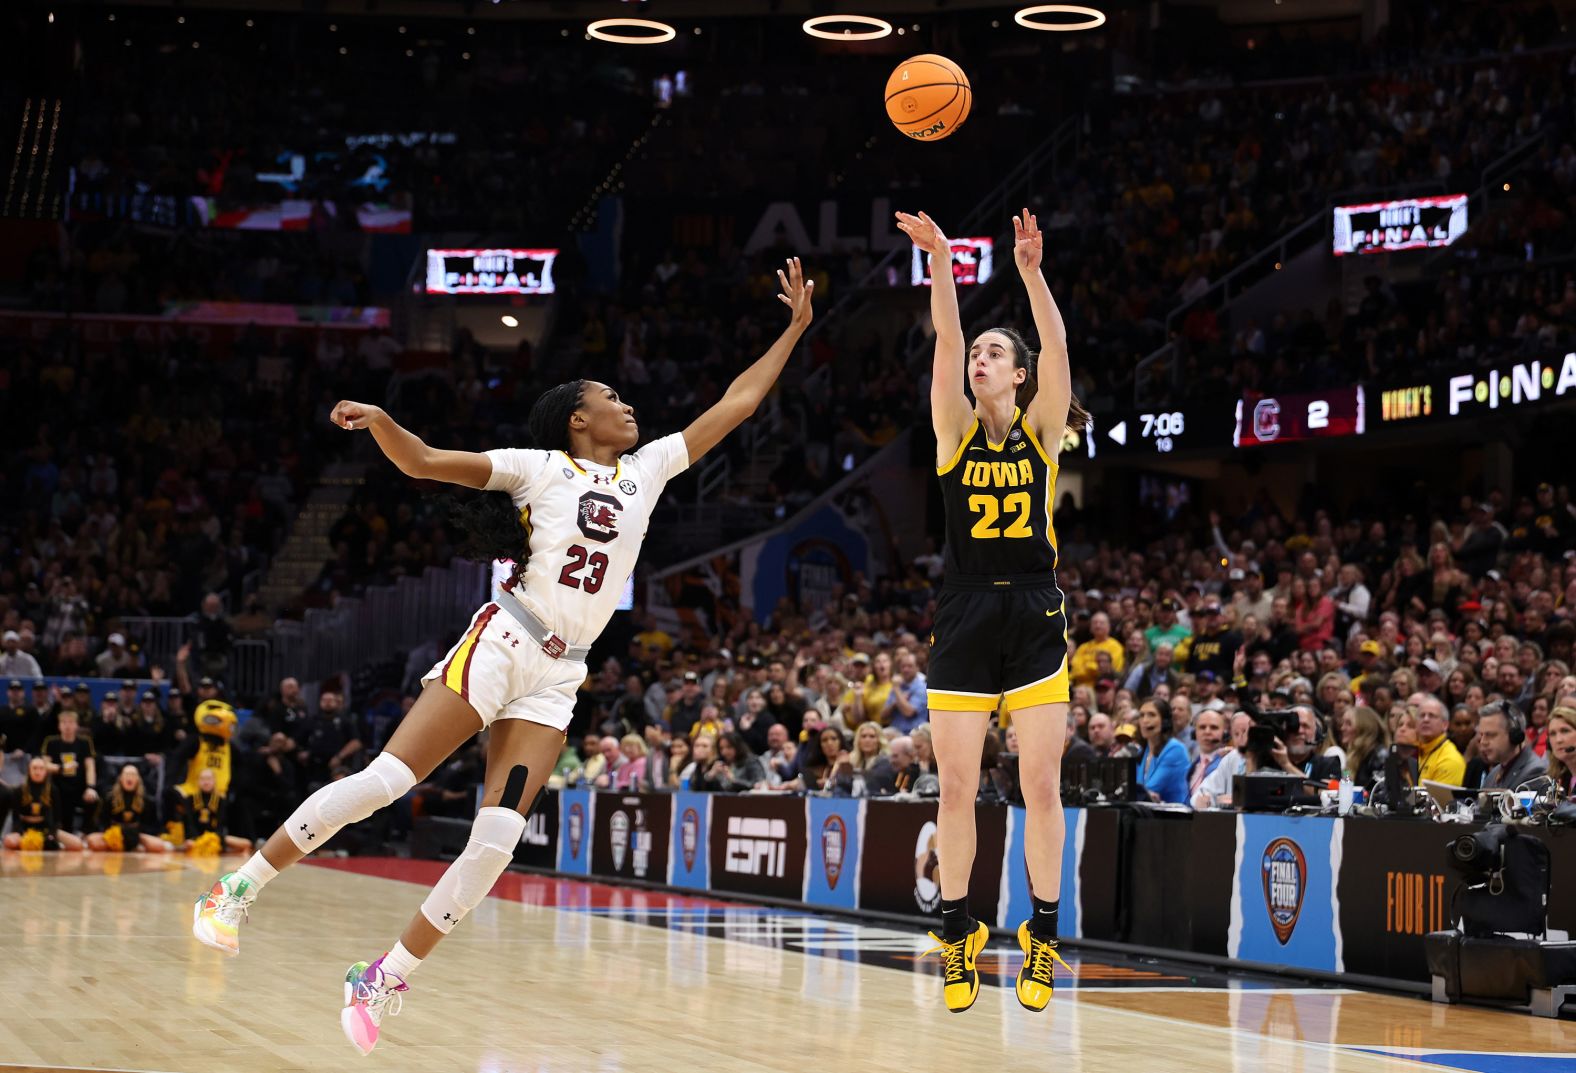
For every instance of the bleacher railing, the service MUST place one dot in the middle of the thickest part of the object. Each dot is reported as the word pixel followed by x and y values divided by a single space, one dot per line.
pixel 384 621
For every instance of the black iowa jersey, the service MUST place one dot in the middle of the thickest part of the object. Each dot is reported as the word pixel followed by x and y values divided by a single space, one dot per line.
pixel 998 500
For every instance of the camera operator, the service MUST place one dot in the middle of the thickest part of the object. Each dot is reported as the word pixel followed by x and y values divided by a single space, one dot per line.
pixel 1288 741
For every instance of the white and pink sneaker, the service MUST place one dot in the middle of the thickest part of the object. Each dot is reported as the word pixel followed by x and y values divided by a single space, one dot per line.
pixel 370 995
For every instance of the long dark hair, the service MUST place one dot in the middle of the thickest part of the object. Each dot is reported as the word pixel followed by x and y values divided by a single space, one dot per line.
pixel 491 527
pixel 1029 361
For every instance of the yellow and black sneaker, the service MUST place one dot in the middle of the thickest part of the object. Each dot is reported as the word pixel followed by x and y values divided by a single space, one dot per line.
pixel 1040 957
pixel 957 966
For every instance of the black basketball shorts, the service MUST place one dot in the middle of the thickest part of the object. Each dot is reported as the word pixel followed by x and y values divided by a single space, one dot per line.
pixel 1008 641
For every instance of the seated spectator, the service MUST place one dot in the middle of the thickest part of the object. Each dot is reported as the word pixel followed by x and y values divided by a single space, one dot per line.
pixel 755 722
pixel 116 660
pixel 907 705
pixel 1162 769
pixel 1366 739
pixel 206 815
pixel 1102 734
pixel 867 695
pixel 1562 750
pixel 1440 760
pixel 1074 749
pixel 1085 667
pixel 1216 789
pixel 870 748
pixel 1502 742
pixel 897 773
pixel 779 758
pixel 602 763
pixel 825 766
pixel 630 774
pixel 15 663
pixel 123 816
pixel 33 809
pixel 1209 733
pixel 679 759
pixel 1145 678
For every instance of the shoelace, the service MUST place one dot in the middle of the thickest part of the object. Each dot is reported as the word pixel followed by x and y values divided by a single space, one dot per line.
pixel 232 909
pixel 381 999
pixel 951 958
pixel 1043 959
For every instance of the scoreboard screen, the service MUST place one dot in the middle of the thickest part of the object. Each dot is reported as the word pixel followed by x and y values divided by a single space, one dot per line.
pixel 1409 224
pixel 490 271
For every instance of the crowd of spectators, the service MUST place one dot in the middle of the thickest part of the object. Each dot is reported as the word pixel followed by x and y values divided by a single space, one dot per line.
pixel 154 479
pixel 1443 640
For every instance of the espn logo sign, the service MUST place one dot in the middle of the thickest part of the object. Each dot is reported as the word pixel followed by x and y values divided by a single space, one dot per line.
pixel 756 847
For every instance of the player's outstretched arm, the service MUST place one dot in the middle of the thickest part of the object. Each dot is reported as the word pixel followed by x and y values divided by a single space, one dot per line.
pixel 750 387
pixel 949 407
pixel 1047 416
pixel 407 450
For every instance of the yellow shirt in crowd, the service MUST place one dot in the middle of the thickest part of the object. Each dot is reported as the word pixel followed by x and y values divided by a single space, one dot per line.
pixel 1084 668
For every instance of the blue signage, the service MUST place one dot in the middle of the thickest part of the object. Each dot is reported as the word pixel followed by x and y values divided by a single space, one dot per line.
pixel 1283 897
pixel 574 831
pixel 687 856
pixel 836 828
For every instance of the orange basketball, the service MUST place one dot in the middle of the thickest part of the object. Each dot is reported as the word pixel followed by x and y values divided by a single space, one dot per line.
pixel 928 97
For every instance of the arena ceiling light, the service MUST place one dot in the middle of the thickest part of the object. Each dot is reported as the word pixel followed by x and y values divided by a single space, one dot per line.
pixel 878 27
pixel 1026 17
pixel 661 31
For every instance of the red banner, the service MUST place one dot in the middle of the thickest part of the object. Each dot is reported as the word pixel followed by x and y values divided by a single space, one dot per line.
pixel 95 334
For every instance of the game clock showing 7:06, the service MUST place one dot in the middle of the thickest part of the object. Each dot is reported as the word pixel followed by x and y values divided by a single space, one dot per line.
pixel 1198 426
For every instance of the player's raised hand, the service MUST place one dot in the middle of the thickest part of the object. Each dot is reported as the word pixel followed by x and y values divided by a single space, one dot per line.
pixel 797 293
pixel 1027 244
pixel 925 233
pixel 351 415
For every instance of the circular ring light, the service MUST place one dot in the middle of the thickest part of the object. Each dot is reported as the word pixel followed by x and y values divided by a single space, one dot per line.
pixel 1025 18
pixel 664 32
pixel 878 27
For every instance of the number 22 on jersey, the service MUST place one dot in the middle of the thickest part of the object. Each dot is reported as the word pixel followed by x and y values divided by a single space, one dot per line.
pixel 993 509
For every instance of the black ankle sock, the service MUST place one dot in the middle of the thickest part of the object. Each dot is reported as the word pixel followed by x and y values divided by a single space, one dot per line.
pixel 1042 925
pixel 954 918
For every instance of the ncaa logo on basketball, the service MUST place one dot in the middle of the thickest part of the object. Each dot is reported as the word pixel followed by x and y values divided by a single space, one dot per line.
pixel 577 828
pixel 1285 883
pixel 689 837
pixel 834 838
pixel 618 837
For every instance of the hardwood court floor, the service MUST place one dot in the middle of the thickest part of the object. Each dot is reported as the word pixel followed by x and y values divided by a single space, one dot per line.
pixel 100 972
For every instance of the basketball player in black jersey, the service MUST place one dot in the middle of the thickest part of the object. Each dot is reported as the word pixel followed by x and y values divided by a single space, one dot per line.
pixel 1000 629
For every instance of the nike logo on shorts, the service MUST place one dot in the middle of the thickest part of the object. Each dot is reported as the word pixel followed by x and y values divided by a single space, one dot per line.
pixel 1053 614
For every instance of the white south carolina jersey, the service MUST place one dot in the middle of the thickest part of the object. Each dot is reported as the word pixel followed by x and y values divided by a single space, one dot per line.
pixel 584 525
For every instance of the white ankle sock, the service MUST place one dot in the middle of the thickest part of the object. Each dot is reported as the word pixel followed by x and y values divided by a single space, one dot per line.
pixel 400 962
pixel 257 871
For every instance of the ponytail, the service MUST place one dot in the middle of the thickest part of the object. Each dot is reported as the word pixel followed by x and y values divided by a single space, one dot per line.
pixel 491 526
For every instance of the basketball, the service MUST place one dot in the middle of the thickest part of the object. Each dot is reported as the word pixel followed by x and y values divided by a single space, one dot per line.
pixel 928 97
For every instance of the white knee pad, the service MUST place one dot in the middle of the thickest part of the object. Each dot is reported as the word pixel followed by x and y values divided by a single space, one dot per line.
pixel 341 803
pixel 491 847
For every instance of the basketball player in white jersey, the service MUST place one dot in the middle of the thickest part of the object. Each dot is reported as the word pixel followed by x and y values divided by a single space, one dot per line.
pixel 573 517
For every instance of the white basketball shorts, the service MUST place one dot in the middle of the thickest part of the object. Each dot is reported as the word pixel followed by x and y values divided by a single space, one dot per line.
pixel 504 674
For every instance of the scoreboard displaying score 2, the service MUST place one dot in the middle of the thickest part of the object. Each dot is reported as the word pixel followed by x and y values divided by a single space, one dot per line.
pixel 1289 418
pixel 501 271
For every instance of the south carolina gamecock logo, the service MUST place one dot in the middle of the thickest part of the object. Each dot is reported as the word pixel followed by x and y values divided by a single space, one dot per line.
pixel 689 837
pixel 598 516
pixel 834 837
pixel 577 828
pixel 1285 882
